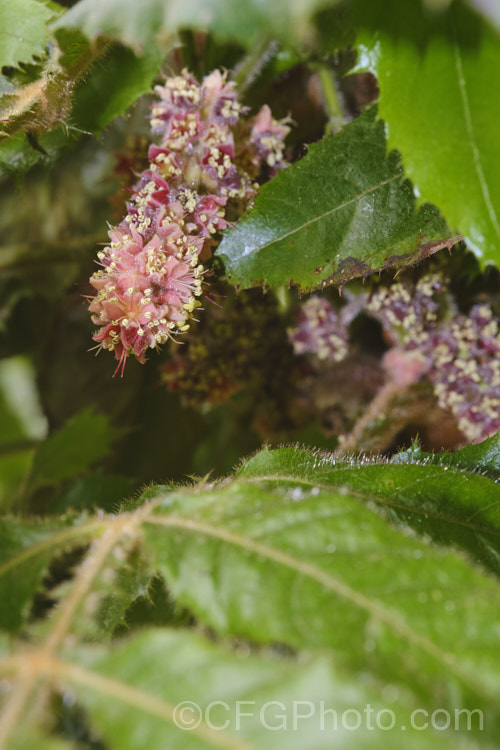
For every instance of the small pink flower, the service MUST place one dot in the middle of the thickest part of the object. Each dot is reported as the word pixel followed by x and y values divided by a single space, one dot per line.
pixel 266 138
pixel 220 99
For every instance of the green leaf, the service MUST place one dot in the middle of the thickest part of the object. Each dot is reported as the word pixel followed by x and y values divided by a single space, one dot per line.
pixel 439 495
pixel 22 424
pixel 296 552
pixel 22 416
pixel 482 458
pixel 138 24
pixel 24 739
pixel 71 451
pixel 133 24
pixel 437 75
pixel 76 54
pixel 312 567
pixel 137 693
pixel 344 210
pixel 23 30
pixel 114 85
pixel 81 88
pixel 13 467
pixel 17 155
pixel 26 550
pixel 119 589
pixel 95 491
pixel 154 608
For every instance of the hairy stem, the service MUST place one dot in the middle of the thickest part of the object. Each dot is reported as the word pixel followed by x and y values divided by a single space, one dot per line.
pixel 376 410
pixel 251 65
pixel 333 105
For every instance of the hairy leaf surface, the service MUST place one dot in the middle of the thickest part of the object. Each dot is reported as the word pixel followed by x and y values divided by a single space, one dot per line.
pixel 483 458
pixel 441 495
pixel 240 701
pixel 314 568
pixel 297 551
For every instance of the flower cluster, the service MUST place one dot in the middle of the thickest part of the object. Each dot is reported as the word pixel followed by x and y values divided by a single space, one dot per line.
pixel 408 317
pixel 151 274
pixel 319 331
pixel 408 314
pixel 459 354
pixel 465 371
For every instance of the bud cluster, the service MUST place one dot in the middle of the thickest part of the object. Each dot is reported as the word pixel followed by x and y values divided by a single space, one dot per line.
pixel 207 157
pixel 459 354
pixel 227 354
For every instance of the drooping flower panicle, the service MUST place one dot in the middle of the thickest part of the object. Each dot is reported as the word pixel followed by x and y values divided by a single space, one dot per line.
pixel 466 371
pixel 151 275
pixel 459 354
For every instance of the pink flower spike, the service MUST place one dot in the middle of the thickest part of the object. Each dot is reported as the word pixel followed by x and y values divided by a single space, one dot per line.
pixel 150 278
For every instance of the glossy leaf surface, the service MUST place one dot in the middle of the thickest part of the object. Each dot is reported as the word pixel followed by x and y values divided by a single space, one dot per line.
pixel 344 210
pixel 440 99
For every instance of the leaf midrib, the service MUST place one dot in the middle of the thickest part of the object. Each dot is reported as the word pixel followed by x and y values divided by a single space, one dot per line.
pixel 331 583
pixel 314 220
pixel 476 156
pixel 146 702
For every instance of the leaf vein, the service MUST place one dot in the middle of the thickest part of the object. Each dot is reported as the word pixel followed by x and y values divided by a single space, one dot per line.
pixel 340 588
pixel 462 85
pixel 320 217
